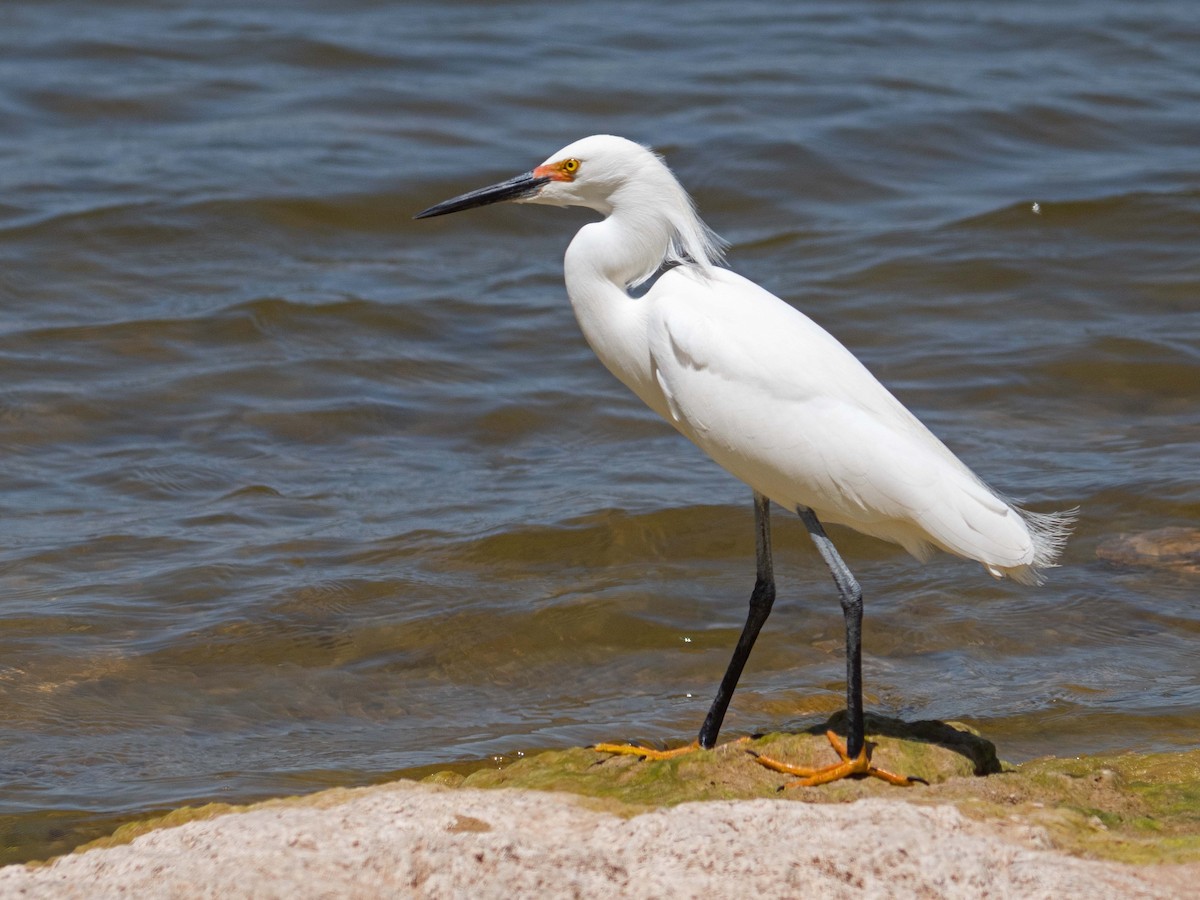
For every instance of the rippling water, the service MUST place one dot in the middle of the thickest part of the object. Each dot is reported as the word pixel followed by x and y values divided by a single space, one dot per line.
pixel 297 491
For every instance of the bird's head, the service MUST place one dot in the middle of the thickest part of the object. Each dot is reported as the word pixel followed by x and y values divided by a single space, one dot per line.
pixel 585 173
pixel 609 174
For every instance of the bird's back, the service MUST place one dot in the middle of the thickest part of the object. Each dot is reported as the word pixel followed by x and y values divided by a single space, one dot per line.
pixel 782 405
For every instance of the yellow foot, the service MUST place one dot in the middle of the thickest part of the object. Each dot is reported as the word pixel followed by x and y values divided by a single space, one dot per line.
pixel 647 752
pixel 651 753
pixel 860 765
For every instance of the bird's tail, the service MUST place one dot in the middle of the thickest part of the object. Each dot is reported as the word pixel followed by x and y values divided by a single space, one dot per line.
pixel 1049 532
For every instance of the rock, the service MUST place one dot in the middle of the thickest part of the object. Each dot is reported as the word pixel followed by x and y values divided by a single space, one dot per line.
pixel 930 751
pixel 1174 548
pixel 412 840
pixel 710 823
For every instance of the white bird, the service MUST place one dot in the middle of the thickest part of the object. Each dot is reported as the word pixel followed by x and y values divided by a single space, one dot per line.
pixel 767 393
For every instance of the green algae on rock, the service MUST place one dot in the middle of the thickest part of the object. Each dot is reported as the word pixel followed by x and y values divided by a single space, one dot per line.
pixel 1134 808
pixel 930 751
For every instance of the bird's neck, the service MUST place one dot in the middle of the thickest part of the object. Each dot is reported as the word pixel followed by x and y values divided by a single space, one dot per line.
pixel 602 260
pixel 620 250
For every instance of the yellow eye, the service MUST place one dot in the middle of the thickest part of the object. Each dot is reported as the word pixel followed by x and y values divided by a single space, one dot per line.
pixel 570 166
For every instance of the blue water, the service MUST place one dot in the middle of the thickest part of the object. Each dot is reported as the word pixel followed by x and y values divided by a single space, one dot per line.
pixel 298 491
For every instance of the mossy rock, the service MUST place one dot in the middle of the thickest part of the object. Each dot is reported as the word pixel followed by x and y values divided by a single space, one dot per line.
pixel 1136 808
pixel 930 751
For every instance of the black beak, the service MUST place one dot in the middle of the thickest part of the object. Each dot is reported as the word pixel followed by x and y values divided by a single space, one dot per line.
pixel 518 188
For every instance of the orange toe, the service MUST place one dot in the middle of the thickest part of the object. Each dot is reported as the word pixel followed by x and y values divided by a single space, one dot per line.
pixel 647 752
pixel 651 753
pixel 847 768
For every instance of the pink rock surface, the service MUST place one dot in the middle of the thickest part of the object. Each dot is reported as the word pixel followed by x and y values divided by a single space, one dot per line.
pixel 412 840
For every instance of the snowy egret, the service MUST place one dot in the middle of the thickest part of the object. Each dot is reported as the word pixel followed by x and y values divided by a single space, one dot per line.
pixel 771 396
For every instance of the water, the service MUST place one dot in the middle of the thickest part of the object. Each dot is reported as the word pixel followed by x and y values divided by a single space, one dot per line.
pixel 300 492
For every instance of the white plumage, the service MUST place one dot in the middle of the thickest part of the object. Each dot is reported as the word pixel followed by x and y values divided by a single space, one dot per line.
pixel 770 396
pixel 761 388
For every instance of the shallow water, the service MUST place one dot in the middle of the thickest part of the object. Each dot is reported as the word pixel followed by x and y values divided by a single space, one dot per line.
pixel 299 492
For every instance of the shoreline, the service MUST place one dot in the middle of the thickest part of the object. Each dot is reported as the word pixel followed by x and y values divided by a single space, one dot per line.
pixel 577 822
pixel 428 840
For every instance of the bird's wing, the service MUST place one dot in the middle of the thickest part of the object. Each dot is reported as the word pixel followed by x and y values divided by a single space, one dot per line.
pixel 782 405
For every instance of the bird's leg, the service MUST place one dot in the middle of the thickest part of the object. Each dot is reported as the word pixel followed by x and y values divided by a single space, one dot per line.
pixel 761 600
pixel 853 753
pixel 850 594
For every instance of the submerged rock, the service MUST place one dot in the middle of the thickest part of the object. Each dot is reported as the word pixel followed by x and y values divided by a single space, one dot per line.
pixel 1173 548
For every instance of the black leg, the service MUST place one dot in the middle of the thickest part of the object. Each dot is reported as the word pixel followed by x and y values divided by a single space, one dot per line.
pixel 852 608
pixel 761 600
